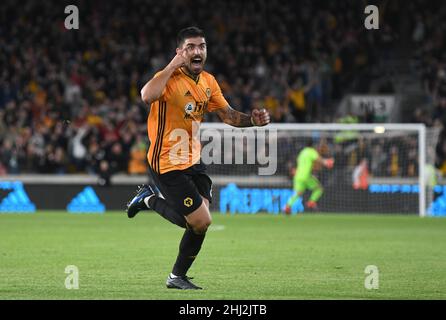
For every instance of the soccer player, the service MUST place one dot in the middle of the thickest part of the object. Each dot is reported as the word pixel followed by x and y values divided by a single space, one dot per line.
pixel 179 96
pixel 304 179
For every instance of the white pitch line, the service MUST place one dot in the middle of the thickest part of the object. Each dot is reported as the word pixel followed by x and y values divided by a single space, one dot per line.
pixel 217 227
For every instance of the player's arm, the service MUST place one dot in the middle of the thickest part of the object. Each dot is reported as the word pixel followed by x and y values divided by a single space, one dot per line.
pixel 326 162
pixel 154 88
pixel 239 119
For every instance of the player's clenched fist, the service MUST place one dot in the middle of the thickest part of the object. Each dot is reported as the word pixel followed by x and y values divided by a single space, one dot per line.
pixel 329 163
pixel 179 60
pixel 260 117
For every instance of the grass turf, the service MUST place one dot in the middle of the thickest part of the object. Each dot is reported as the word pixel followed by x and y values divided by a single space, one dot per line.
pixel 244 257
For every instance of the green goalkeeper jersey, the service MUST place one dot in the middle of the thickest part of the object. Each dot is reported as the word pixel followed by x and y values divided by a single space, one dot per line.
pixel 305 160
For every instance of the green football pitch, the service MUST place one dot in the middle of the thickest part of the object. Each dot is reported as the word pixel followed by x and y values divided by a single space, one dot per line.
pixel 244 257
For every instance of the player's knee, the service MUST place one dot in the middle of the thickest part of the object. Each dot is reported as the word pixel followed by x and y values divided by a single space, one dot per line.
pixel 202 226
pixel 200 219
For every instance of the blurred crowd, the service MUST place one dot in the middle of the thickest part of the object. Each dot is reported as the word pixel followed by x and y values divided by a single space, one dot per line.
pixel 428 37
pixel 69 99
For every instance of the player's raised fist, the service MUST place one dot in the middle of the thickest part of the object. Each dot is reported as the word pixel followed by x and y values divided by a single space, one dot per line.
pixel 179 60
pixel 260 117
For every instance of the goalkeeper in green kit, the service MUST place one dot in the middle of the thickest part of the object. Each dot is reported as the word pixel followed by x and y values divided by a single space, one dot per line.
pixel 304 179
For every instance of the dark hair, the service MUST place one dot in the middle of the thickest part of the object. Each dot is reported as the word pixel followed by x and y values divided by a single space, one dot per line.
pixel 189 32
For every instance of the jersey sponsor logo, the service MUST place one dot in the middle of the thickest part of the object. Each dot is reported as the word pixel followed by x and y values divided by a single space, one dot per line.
pixel 189 108
pixel 188 202
pixel 195 110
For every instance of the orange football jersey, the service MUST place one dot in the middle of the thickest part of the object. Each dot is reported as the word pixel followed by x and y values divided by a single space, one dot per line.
pixel 175 117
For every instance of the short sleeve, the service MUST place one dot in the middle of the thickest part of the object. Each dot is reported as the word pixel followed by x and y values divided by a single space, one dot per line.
pixel 217 100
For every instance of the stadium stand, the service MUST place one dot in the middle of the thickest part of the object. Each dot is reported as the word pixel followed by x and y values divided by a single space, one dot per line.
pixel 69 100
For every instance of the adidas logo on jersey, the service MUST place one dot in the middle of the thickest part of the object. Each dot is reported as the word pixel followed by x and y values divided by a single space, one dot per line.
pixel 187 94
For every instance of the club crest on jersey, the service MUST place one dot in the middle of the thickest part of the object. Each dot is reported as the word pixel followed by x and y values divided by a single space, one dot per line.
pixel 208 92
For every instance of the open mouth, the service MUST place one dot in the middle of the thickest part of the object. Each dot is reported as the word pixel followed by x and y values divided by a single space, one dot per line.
pixel 197 61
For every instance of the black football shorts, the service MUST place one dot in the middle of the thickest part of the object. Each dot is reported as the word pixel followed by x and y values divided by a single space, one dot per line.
pixel 183 189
